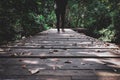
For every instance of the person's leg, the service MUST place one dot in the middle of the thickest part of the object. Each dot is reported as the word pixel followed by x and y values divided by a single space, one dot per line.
pixel 63 21
pixel 58 21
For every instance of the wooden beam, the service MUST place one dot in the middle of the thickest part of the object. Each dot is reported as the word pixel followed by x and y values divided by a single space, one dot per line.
pixel 45 57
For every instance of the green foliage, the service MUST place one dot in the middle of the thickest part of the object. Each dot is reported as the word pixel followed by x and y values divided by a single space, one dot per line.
pixel 24 18
pixel 98 16
pixel 108 34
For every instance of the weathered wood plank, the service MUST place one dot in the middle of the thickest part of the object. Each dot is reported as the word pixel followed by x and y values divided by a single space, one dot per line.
pixel 61 64
pixel 51 72
pixel 32 77
pixel 64 56
pixel 58 47
pixel 96 78
pixel 46 57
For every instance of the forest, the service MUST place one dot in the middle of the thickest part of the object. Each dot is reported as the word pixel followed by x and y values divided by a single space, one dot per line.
pixel 24 18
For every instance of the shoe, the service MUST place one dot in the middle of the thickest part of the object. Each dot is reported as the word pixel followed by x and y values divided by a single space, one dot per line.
pixel 58 32
pixel 63 30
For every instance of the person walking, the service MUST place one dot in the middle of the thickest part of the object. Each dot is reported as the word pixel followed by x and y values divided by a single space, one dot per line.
pixel 60 9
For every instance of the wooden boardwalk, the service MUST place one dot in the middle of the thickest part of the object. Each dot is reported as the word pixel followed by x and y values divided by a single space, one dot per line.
pixel 64 56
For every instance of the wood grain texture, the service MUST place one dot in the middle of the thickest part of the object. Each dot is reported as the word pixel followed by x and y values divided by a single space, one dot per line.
pixel 64 56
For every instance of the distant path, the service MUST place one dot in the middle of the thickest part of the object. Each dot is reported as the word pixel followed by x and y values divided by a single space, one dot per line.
pixel 64 56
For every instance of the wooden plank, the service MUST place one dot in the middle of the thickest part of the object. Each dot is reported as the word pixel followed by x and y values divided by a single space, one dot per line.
pixel 96 78
pixel 51 72
pixel 85 78
pixel 58 47
pixel 53 54
pixel 32 77
pixel 58 38
pixel 58 52
pixel 53 66
pixel 45 57
pixel 75 51
pixel 61 64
